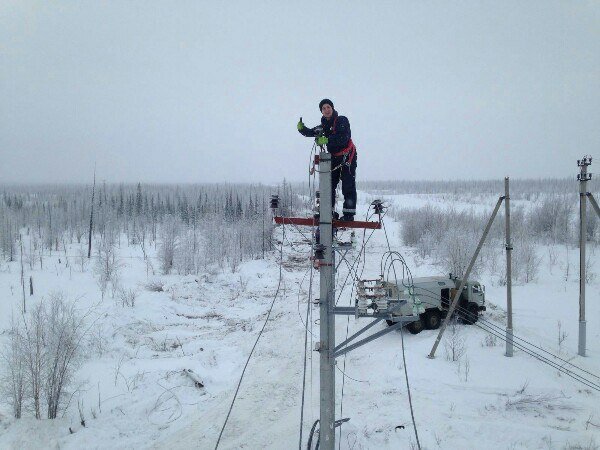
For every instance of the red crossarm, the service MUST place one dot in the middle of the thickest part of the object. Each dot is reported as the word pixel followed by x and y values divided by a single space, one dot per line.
pixel 336 223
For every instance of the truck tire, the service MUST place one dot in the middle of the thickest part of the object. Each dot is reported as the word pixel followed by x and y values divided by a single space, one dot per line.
pixel 432 319
pixel 472 314
pixel 416 327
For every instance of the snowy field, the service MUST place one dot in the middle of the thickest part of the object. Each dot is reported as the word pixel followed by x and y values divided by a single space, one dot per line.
pixel 132 390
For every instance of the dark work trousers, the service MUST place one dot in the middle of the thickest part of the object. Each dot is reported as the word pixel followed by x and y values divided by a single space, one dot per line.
pixel 347 175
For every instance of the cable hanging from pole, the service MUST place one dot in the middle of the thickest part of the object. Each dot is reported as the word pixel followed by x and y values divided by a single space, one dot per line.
pixel 308 309
pixel 257 339
pixel 412 414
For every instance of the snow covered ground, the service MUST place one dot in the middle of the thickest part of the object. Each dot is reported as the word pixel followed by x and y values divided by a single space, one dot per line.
pixel 134 393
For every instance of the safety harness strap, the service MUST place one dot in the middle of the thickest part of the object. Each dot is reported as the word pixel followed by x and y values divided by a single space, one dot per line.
pixel 349 150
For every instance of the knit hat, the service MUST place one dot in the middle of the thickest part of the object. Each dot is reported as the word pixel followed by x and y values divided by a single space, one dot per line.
pixel 325 101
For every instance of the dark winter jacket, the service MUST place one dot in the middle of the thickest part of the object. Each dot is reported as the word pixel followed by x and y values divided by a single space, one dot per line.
pixel 338 140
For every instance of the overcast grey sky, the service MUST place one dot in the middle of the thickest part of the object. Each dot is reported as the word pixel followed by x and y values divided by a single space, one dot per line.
pixel 211 91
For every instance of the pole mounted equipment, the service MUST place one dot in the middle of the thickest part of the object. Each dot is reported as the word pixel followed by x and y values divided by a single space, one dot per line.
pixel 378 309
pixel 274 202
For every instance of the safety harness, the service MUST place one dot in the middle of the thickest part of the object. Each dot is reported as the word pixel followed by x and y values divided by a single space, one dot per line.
pixel 347 152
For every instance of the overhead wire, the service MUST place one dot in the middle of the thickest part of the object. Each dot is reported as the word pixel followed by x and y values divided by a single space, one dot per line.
pixel 362 252
pixel 352 271
pixel 412 414
pixel 351 267
pixel 356 277
pixel 517 341
pixel 308 313
pixel 257 338
pixel 514 337
pixel 494 330
pixel 308 308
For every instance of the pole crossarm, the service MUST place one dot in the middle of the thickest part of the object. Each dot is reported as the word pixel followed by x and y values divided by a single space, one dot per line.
pixel 594 203
pixel 312 222
pixel 465 278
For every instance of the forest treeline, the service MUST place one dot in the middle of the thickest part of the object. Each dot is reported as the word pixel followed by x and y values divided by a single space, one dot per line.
pixel 191 226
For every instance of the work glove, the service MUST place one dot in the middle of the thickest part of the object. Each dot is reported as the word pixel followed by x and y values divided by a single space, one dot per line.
pixel 322 140
pixel 300 125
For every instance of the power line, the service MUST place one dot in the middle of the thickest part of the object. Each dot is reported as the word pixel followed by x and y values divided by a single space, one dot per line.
pixel 308 311
pixel 356 277
pixel 493 330
pixel 498 332
pixel 501 330
pixel 257 339
pixel 412 414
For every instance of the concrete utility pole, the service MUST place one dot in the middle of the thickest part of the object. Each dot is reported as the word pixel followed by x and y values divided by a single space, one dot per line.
pixel 326 305
pixel 583 178
pixel 324 259
pixel 509 324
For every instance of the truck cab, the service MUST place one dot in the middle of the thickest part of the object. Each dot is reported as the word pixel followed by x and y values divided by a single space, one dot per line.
pixel 476 294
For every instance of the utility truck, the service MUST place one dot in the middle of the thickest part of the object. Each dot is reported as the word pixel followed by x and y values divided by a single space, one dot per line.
pixel 435 295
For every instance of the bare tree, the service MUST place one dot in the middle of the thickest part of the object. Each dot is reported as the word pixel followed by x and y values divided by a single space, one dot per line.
pixel 34 354
pixel 107 263
pixel 526 262
pixel 81 258
pixel 127 296
pixel 186 259
pixel 169 244
pixel 63 334
pixel 41 356
pixel 454 342
pixel 13 376
pixel 456 250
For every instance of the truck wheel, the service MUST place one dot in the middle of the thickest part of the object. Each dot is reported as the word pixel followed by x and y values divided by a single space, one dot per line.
pixel 416 327
pixel 472 314
pixel 433 318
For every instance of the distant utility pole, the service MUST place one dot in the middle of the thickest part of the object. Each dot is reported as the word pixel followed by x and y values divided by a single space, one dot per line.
pixel 22 273
pixel 509 324
pixel 92 217
pixel 583 178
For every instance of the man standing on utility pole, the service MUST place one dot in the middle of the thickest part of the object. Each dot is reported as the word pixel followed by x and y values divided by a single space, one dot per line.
pixel 334 132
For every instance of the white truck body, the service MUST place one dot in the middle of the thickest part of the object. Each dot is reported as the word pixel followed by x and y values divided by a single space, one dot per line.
pixel 435 294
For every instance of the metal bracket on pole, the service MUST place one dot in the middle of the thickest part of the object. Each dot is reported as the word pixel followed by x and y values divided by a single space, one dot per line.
pixel 355 335
pixel 343 251
pixel 464 280
pixel 380 333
